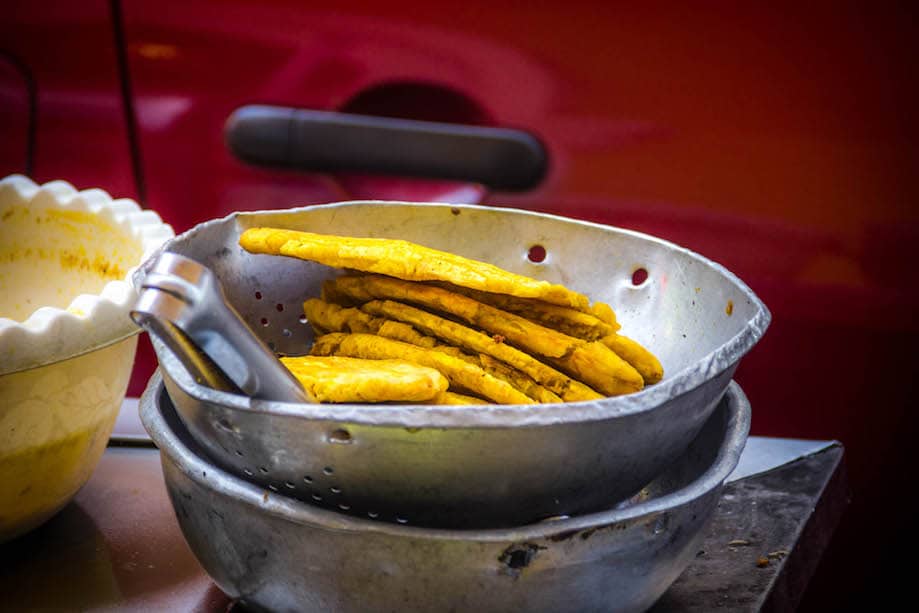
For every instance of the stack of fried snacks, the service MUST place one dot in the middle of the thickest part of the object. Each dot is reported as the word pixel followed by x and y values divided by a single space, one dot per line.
pixel 495 336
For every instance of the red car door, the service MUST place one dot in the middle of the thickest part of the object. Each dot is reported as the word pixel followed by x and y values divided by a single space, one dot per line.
pixel 778 142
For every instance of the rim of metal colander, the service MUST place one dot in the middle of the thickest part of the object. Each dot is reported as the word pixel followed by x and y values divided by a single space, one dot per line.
pixel 212 477
pixel 484 416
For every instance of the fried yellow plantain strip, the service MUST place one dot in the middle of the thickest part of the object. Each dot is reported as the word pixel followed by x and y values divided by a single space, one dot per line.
pixel 604 313
pixel 466 338
pixel 591 363
pixel 332 317
pixel 345 379
pixel 599 367
pixel 458 372
pixel 404 260
pixel 326 317
pixel 452 398
pixel 640 358
pixel 517 330
pixel 579 325
pixel 564 319
pixel 494 367
pixel 397 330
pixel 518 379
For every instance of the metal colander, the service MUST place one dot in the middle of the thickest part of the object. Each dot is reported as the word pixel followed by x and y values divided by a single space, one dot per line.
pixel 475 466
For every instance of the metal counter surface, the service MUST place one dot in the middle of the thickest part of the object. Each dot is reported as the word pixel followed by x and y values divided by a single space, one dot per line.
pixel 117 546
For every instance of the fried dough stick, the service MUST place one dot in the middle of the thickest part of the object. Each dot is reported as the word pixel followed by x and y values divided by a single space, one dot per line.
pixel 458 372
pixel 455 399
pixel 604 312
pixel 579 325
pixel 520 380
pixel 557 383
pixel 399 331
pixel 326 317
pixel 517 330
pixel 572 322
pixel 344 379
pixel 404 260
pixel 333 318
pixel 592 363
pixel 640 358
pixel 564 319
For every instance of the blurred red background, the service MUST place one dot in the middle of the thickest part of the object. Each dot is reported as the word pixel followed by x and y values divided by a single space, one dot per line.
pixel 777 140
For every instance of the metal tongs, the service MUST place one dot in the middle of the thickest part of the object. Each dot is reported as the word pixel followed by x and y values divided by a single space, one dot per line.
pixel 182 305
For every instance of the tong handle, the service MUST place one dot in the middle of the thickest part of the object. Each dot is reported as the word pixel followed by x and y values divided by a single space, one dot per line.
pixel 182 304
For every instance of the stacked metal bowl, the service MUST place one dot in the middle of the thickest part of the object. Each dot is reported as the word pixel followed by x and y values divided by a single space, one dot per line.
pixel 594 505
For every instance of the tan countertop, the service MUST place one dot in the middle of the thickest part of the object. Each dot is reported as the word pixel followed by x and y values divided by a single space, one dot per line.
pixel 116 547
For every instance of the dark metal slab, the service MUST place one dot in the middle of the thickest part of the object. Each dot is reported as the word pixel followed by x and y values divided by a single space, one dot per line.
pixel 767 536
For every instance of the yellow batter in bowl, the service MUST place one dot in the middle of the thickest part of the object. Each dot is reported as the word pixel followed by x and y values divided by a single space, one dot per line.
pixel 67 343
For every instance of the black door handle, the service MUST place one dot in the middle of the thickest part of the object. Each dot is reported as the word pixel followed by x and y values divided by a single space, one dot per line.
pixel 321 141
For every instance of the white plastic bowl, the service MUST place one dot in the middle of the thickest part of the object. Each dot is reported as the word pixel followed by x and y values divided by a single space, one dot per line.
pixel 67 342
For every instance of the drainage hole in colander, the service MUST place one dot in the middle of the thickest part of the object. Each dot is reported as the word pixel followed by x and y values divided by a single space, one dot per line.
pixel 401 520
pixel 372 514
pixel 279 307
pixel 536 254
pixel 263 470
pixel 327 470
pixel 272 487
pixel 264 322
pixel 307 479
pixel 340 436
pixel 302 319
pixel 344 507
pixel 317 497
pixel 239 453
pixel 224 424
pixel 290 485
pixel 248 472
pixel 258 295
pixel 639 276
pixel 287 333
pixel 335 489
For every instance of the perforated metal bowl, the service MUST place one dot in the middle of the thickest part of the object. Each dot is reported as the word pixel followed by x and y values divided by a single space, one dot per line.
pixel 477 466
pixel 278 554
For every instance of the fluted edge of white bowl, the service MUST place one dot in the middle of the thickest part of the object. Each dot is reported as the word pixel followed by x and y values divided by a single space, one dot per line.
pixel 90 321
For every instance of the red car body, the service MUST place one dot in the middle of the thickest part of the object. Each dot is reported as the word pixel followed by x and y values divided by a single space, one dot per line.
pixel 778 142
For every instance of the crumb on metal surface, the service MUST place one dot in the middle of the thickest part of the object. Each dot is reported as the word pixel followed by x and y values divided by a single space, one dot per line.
pixel 778 554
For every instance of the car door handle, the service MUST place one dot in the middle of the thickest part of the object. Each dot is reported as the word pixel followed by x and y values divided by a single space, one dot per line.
pixel 322 141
